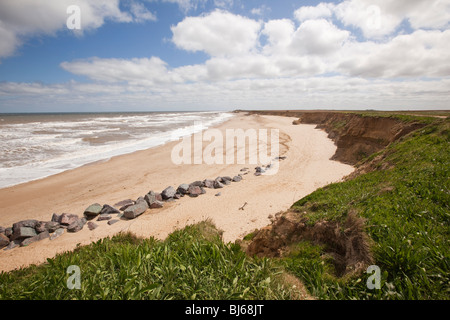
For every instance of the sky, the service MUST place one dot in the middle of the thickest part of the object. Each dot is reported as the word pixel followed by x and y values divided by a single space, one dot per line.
pixel 189 55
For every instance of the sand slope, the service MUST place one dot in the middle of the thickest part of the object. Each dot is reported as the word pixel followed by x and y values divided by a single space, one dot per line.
pixel 306 168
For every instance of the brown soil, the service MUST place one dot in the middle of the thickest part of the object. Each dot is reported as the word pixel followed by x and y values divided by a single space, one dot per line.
pixel 347 243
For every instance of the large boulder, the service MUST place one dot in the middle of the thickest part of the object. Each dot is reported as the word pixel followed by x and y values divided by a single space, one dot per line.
pixel 92 211
pixel 67 218
pixel 58 232
pixel 39 237
pixel 208 183
pixel 183 188
pixel 168 193
pixel 77 225
pixel 150 198
pixel 135 210
pixel 31 223
pixel 217 184
pixel 122 205
pixel 107 209
pixel 237 178
pixel 103 217
pixel 194 191
pixel 157 204
pixel 4 240
pixel 91 225
pixel 51 226
pixel 21 233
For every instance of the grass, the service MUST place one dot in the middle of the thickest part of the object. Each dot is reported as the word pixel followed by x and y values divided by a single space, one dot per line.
pixel 407 217
pixel 192 263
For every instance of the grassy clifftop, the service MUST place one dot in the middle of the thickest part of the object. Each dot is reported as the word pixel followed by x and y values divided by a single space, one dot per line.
pixel 394 214
pixel 404 203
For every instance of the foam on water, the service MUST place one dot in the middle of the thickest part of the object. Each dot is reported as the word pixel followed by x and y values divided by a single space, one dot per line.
pixel 31 150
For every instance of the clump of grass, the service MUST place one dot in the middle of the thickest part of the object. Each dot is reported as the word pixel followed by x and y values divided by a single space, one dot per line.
pixel 192 263
pixel 409 223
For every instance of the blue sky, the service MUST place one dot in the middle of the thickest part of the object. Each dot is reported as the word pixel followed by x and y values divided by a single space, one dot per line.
pixel 146 55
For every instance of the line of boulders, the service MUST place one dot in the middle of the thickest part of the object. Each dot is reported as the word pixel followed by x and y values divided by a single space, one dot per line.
pixel 25 232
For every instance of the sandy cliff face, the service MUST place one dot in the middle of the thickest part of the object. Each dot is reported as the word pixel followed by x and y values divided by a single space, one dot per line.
pixel 356 136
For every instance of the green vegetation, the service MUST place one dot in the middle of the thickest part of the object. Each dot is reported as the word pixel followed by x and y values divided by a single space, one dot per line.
pixel 407 214
pixel 404 201
pixel 192 263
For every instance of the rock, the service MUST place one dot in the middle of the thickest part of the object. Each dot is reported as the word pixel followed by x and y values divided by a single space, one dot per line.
pixel 77 225
pixel 135 210
pixel 13 244
pixel 103 217
pixel 92 211
pixel 31 223
pixel 259 169
pixel 244 169
pixel 58 232
pixel 67 218
pixel 107 209
pixel 168 193
pixel 2 230
pixel 8 232
pixel 197 184
pixel 178 196
pixel 40 227
pixel 23 233
pixel 4 241
pixel 183 188
pixel 157 204
pixel 237 178
pixel 91 225
pixel 217 184
pixel 55 218
pixel 208 183
pixel 195 191
pixel 122 205
pixel 226 178
pixel 150 198
pixel 39 237
pixel 218 194
pixel 140 199
pixel 110 222
pixel 51 226
pixel 257 173
pixel 159 197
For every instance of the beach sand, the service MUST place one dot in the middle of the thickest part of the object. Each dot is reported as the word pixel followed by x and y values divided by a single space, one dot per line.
pixel 306 168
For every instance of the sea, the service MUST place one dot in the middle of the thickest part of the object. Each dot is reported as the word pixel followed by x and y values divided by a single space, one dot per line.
pixel 34 146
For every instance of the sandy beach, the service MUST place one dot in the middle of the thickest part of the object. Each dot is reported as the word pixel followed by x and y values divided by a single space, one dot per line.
pixel 306 168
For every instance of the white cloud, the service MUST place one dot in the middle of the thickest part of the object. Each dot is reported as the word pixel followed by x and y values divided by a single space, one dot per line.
pixel 383 17
pixel 319 37
pixel 141 13
pixel 22 19
pixel 217 33
pixel 322 10
pixel 136 71
pixel 420 54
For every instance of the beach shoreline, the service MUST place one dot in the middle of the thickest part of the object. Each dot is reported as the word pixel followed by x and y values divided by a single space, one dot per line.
pixel 307 167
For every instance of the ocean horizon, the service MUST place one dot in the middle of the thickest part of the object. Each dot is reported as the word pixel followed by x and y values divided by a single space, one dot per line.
pixel 38 145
